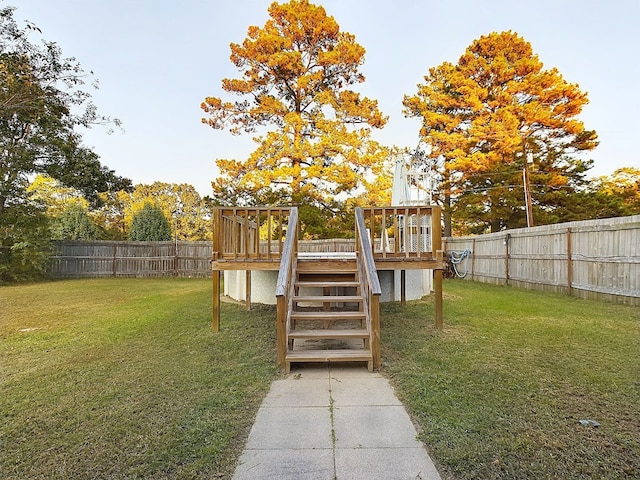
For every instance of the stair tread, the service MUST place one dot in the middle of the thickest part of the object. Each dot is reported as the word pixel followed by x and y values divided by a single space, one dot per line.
pixel 330 333
pixel 327 269
pixel 326 355
pixel 328 283
pixel 328 298
pixel 322 315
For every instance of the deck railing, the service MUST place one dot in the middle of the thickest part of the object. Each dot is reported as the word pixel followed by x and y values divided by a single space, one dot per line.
pixel 285 285
pixel 402 237
pixel 249 234
pixel 403 232
pixel 369 285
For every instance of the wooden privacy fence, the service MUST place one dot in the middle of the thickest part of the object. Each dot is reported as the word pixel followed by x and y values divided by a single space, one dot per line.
pixel 130 259
pixel 80 259
pixel 597 259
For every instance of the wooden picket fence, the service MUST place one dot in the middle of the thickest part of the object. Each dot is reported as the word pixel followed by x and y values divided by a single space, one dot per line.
pixel 598 259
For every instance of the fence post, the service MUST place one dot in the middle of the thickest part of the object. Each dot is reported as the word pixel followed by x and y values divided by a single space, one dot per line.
pixel 113 264
pixel 473 257
pixel 175 258
pixel 569 263
pixel 507 239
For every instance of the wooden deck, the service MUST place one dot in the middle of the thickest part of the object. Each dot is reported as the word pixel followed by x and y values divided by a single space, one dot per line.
pixel 316 287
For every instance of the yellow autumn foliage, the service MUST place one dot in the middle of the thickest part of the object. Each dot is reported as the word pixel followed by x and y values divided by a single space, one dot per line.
pixel 295 78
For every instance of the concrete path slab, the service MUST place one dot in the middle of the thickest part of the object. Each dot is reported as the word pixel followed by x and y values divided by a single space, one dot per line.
pixel 334 423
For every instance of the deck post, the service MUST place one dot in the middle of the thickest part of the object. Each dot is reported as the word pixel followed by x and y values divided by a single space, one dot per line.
pixel 436 247
pixel 216 300
pixel 437 283
pixel 248 289
pixel 215 274
pixel 374 306
pixel 281 329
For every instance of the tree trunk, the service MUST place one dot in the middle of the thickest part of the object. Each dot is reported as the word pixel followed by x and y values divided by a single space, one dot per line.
pixel 527 193
pixel 446 213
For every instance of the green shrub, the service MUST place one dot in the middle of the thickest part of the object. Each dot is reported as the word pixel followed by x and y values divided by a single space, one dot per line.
pixel 150 225
pixel 74 223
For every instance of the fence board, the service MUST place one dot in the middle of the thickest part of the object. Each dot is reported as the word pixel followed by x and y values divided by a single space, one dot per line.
pixel 591 259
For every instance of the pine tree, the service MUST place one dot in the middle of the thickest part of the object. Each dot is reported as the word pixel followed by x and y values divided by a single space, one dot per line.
pixel 150 224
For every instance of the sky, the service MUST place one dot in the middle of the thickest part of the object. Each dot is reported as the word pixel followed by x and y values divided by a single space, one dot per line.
pixel 157 60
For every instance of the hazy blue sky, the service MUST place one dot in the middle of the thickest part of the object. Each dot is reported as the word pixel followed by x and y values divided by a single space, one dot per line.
pixel 157 60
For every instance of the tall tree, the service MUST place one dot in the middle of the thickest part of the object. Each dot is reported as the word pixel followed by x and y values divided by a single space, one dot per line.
pixel 506 133
pixel 43 98
pixel 297 71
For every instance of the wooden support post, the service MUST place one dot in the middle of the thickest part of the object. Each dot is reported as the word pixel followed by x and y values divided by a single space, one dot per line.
pixel 375 331
pixel 436 251
pixel 281 330
pixel 248 289
pixel 216 301
pixel 215 274
pixel 403 287
pixel 437 285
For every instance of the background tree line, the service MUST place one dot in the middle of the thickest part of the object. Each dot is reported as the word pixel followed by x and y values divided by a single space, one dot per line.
pixel 160 211
pixel 51 185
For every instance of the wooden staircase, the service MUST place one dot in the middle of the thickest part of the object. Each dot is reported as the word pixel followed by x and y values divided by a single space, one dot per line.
pixel 328 309
pixel 327 318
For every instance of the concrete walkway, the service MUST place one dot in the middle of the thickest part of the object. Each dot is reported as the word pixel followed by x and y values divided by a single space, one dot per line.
pixel 333 423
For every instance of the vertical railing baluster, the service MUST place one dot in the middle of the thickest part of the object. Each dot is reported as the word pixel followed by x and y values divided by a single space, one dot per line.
pixel 269 234
pixel 419 232
pixel 383 234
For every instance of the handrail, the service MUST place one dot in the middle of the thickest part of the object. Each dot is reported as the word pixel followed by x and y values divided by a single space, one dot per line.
pixel 369 286
pixel 363 245
pixel 285 285
pixel 288 253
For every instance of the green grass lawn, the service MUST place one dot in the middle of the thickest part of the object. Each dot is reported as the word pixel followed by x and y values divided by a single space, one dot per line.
pixel 123 378
pixel 501 391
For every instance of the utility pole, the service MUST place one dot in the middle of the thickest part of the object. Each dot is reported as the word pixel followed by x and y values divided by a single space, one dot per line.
pixel 527 188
